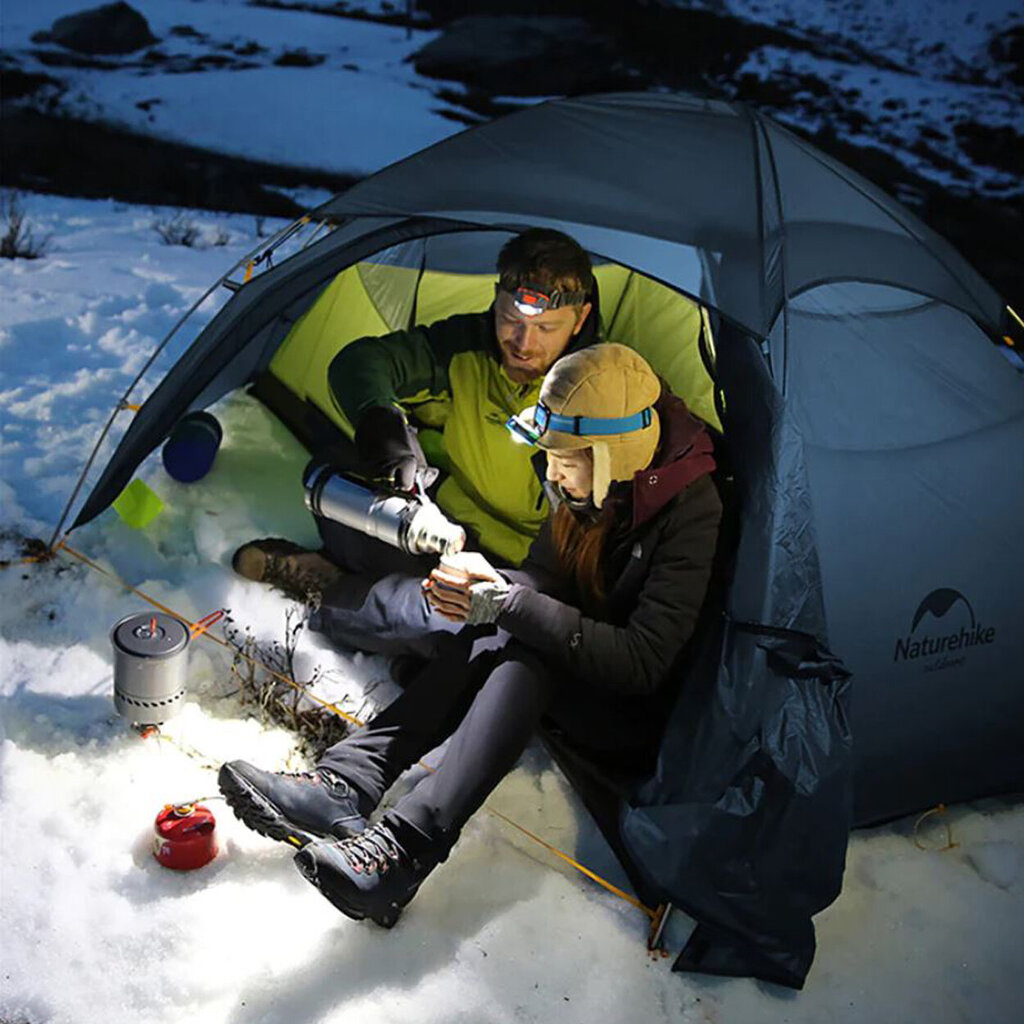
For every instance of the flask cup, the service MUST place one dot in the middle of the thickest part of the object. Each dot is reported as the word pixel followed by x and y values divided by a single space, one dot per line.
pixel 190 450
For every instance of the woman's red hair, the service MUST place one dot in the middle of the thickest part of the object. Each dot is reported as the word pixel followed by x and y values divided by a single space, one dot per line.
pixel 579 544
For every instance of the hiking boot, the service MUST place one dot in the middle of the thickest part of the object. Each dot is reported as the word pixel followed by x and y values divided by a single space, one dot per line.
pixel 294 808
pixel 369 875
pixel 296 571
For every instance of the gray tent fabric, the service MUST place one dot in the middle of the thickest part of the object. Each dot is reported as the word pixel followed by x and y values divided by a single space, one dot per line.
pixel 719 186
pixel 912 436
pixel 701 174
pixel 744 821
pixel 873 432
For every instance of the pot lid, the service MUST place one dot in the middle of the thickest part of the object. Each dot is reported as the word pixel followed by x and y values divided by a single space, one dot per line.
pixel 150 635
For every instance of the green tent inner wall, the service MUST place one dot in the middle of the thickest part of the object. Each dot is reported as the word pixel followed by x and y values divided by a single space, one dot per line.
pixel 375 297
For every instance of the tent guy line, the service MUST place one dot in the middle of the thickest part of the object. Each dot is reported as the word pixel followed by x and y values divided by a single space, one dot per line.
pixel 64 546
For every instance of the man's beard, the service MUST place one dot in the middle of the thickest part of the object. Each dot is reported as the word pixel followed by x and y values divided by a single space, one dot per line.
pixel 520 373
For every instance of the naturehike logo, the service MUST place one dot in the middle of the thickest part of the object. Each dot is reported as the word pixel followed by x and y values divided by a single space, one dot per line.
pixel 960 631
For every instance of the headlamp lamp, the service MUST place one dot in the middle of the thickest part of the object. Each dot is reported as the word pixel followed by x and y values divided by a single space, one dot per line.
pixel 532 300
pixel 521 428
pixel 532 424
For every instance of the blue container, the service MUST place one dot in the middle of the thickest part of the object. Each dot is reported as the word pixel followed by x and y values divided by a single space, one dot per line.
pixel 192 447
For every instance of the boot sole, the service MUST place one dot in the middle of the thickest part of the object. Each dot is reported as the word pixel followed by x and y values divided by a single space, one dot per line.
pixel 388 918
pixel 255 811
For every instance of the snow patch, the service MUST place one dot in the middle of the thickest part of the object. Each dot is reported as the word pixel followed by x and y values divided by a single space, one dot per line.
pixel 997 861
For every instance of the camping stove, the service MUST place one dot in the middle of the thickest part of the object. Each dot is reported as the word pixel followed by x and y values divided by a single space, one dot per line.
pixel 150 661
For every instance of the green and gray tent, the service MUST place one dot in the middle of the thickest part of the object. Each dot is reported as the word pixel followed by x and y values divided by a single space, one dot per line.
pixel 872 433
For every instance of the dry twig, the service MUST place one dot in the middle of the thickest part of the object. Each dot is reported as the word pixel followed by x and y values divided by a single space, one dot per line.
pixel 276 701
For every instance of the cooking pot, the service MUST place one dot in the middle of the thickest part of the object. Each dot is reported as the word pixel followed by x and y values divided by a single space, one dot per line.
pixel 150 664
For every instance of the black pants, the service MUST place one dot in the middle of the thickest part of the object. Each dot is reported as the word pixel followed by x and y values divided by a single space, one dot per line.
pixel 488 693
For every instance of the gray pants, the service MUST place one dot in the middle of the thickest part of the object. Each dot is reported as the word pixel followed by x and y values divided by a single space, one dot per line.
pixel 378 605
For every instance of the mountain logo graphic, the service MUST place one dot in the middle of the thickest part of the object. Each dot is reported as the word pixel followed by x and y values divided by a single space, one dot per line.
pixel 924 638
pixel 938 603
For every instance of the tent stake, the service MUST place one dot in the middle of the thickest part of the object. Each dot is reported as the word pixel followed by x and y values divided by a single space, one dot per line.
pixel 657 931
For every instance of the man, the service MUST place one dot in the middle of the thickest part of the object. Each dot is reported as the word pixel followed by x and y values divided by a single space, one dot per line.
pixel 467 374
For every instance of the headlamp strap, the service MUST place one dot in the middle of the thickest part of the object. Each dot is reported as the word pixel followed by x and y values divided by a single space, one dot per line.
pixel 590 425
pixel 544 420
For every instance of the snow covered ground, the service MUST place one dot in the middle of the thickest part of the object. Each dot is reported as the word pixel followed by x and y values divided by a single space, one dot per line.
pixel 327 116
pixel 932 75
pixel 306 89
pixel 931 37
pixel 913 114
pixel 94 930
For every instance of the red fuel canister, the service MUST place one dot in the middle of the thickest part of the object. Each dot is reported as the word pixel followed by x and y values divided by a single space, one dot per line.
pixel 184 836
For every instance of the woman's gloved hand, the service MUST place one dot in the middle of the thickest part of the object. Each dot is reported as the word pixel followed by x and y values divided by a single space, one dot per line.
pixel 466 588
pixel 388 448
pixel 486 599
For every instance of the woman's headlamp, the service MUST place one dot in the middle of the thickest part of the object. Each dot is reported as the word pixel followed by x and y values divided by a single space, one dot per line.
pixel 532 424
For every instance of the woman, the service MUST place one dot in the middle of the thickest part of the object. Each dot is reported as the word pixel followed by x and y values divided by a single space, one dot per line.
pixel 588 631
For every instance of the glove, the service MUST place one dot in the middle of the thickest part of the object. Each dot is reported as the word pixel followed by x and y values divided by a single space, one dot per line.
pixel 465 587
pixel 388 448
pixel 486 599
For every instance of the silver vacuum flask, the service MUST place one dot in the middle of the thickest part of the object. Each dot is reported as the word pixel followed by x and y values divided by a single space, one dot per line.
pixel 414 523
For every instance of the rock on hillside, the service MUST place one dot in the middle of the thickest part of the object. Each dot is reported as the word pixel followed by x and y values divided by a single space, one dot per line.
pixel 110 29
pixel 524 56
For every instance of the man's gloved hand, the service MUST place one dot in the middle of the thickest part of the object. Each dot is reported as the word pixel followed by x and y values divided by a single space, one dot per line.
pixel 388 448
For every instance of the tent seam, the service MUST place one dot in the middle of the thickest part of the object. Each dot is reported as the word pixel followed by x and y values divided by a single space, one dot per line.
pixel 907 228
pixel 784 383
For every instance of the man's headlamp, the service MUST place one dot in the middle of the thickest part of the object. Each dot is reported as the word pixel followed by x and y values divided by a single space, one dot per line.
pixel 532 424
pixel 532 300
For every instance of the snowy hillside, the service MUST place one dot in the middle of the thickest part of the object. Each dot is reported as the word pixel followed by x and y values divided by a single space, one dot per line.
pixel 246 106
pixel 931 93
pixel 247 81
pixel 316 85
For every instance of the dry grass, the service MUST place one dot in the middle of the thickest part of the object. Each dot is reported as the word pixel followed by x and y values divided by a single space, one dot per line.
pixel 18 242
pixel 276 701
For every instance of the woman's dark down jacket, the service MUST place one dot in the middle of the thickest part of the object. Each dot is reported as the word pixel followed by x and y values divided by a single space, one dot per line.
pixel 658 567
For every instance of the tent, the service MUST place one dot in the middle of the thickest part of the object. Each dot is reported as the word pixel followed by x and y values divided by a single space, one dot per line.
pixel 872 438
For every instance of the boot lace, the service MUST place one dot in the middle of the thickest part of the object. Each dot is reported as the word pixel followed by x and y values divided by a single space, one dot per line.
pixel 321 777
pixel 376 849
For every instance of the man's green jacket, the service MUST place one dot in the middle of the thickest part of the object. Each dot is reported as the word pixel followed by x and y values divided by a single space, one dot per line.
pixel 449 375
